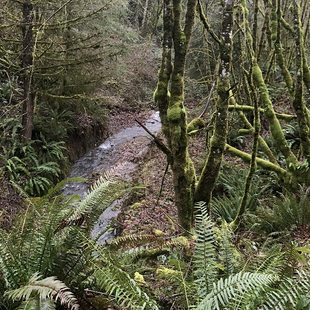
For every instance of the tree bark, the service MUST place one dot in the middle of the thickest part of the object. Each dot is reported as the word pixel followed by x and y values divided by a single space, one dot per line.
pixel 217 145
pixel 171 104
pixel 27 63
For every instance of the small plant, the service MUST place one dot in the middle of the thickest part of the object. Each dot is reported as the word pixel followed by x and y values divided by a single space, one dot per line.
pixel 285 213
pixel 33 165
pixel 48 256
pixel 229 191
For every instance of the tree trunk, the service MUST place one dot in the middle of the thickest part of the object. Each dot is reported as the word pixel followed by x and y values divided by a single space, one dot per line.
pixel 144 23
pixel 171 105
pixel 213 163
pixel 27 63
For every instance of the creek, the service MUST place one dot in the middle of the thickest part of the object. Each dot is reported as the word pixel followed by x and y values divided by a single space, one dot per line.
pixel 122 151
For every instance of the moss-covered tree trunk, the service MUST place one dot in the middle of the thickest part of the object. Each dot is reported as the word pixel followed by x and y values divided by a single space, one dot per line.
pixel 171 105
pixel 217 145
pixel 299 102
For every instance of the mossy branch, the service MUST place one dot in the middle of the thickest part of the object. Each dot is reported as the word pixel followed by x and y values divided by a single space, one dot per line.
pixel 259 161
pixel 246 108
pixel 206 24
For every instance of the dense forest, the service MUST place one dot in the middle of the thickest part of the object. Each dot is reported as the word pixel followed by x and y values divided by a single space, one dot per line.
pixel 154 154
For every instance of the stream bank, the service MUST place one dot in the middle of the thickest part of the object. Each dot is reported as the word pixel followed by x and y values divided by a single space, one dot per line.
pixel 121 153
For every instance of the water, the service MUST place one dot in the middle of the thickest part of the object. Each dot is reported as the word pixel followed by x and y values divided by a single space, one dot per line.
pixel 105 157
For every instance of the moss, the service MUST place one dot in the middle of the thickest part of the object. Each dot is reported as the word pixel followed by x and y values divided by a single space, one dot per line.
pixel 182 241
pixel 306 73
pixel 136 205
pixel 261 162
pixel 160 92
pixel 174 113
pixel 139 279
pixel 158 232
pixel 275 126
pixel 195 124
pixel 273 25
pixel 182 38
pixel 166 273
pixel 245 131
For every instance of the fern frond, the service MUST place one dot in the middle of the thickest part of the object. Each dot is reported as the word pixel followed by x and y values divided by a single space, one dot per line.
pixel 234 288
pixel 37 304
pixel 111 278
pixel 288 293
pixel 48 288
pixel 126 292
pixel 134 240
pixel 56 189
pixel 271 262
pixel 226 252
pixel 204 257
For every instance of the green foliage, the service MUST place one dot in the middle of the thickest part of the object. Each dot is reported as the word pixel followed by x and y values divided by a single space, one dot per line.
pixel 52 240
pixel 229 191
pixel 292 293
pixel 110 277
pixel 266 287
pixel 204 257
pixel 285 212
pixel 49 117
pixel 229 293
pixel 32 165
pixel 39 293
pixel 292 134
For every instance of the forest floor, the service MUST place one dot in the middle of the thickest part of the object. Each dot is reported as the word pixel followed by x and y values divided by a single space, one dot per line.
pixel 153 210
pixel 146 212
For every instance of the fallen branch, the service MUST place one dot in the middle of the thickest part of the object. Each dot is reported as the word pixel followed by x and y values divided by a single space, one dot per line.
pixel 158 142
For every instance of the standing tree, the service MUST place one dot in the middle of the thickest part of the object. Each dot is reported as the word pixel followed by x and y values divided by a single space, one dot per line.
pixel 170 98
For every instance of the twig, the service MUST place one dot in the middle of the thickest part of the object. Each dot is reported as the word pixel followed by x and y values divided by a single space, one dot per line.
pixel 208 100
pixel 158 142
pixel 162 183
pixel 95 292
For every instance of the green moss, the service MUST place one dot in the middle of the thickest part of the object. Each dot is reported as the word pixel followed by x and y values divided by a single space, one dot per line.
pixel 260 162
pixel 139 279
pixel 163 92
pixel 275 126
pixel 195 124
pixel 158 232
pixel 273 25
pixel 183 38
pixel 174 113
pixel 166 273
pixel 177 132
pixel 306 73
pixel 183 241
pixel 136 205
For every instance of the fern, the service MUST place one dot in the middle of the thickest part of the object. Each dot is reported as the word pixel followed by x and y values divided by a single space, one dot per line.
pixel 204 257
pixel 37 304
pixel 48 288
pixel 288 293
pixel 226 251
pixel 231 290
pixel 111 278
